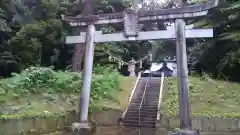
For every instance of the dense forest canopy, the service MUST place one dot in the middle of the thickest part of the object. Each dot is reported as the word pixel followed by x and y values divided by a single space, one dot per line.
pixel 33 34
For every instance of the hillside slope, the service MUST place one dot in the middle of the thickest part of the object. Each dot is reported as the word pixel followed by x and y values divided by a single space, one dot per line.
pixel 208 97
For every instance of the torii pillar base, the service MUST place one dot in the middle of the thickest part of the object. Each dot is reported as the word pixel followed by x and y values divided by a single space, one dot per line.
pixel 84 131
pixel 82 128
pixel 185 132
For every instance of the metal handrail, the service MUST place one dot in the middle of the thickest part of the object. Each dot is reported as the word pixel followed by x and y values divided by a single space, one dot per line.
pixel 134 88
pixel 132 93
pixel 160 95
pixel 139 110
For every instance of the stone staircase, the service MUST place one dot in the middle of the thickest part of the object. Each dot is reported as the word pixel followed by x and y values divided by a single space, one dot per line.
pixel 143 108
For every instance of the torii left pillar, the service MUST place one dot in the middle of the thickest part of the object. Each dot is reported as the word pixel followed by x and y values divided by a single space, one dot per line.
pixel 87 76
pixel 84 128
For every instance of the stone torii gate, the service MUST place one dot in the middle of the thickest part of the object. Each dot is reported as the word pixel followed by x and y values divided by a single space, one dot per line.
pixel 131 19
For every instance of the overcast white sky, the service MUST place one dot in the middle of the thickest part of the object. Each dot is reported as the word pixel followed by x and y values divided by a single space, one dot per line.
pixel 155 0
pixel 148 1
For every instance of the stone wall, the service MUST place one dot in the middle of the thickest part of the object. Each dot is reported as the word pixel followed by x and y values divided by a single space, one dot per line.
pixel 35 126
pixel 112 130
pixel 43 125
pixel 205 124
pixel 107 118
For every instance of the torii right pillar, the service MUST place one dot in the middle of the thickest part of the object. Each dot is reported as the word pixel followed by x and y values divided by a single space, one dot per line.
pixel 183 85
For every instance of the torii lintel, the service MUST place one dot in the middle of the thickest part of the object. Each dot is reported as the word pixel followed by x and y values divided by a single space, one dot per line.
pixel 160 14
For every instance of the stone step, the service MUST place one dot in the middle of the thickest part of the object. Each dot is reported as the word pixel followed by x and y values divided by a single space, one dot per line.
pixel 144 102
pixel 149 85
pixel 137 115
pixel 140 121
pixel 134 104
pixel 156 82
pixel 142 111
pixel 141 124
pixel 151 79
pixel 147 97
pixel 136 124
pixel 150 96
pixel 144 106
pixel 152 83
pixel 141 116
pixel 136 118
pixel 152 92
pixel 141 95
pixel 152 87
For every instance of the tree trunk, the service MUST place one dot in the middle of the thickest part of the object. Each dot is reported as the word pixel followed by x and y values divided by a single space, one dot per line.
pixel 78 57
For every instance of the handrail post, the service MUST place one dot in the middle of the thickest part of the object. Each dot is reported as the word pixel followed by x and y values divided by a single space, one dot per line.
pixel 134 88
pixel 160 97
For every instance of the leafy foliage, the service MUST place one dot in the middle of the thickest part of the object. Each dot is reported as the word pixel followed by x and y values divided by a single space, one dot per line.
pixel 222 51
pixel 41 81
pixel 3 23
pixel 34 44
pixel 37 36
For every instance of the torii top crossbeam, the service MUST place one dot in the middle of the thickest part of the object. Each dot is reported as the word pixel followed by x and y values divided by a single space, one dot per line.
pixel 160 14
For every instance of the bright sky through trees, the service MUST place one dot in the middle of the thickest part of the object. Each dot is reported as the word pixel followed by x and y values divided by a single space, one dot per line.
pixel 147 2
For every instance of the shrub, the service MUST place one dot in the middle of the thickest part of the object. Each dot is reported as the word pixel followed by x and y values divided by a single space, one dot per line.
pixel 42 81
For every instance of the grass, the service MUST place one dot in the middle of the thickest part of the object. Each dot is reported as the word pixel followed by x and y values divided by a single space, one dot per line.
pixel 126 86
pixel 208 97
pixel 60 102
pixel 39 105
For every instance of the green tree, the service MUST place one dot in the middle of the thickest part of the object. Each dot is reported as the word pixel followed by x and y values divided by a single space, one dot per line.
pixel 223 50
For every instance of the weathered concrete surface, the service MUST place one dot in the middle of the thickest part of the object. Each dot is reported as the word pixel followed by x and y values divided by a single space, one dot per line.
pixel 206 124
pixel 108 119
pixel 42 125
pixel 113 130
